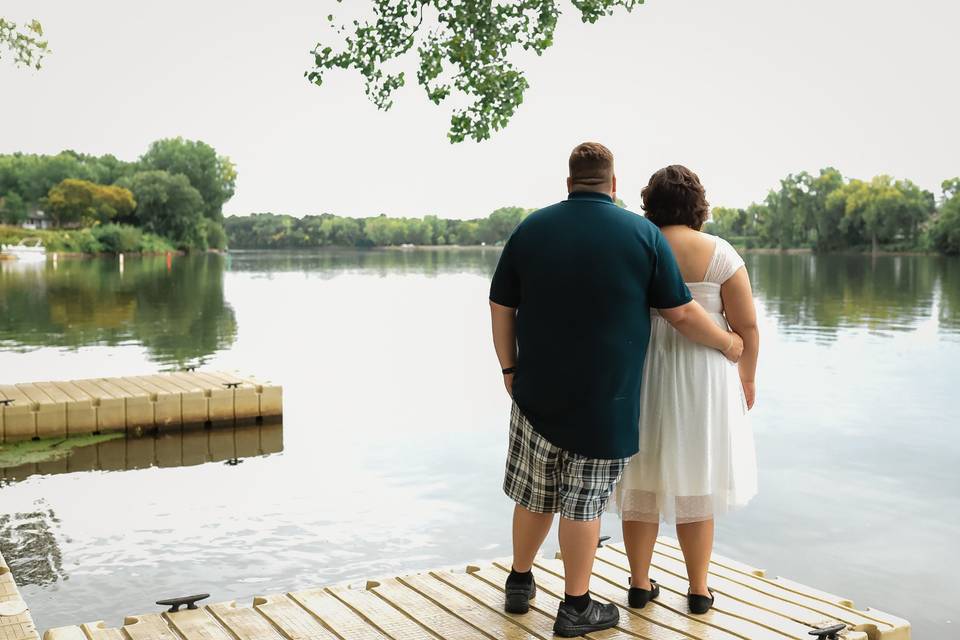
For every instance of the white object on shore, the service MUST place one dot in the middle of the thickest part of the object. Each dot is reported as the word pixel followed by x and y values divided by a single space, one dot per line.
pixel 35 252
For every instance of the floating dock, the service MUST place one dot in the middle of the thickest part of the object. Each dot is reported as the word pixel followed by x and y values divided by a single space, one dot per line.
pixel 133 404
pixel 468 605
pixel 15 620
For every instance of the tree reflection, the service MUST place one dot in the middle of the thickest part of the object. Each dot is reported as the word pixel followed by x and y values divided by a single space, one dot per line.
pixel 827 293
pixel 176 310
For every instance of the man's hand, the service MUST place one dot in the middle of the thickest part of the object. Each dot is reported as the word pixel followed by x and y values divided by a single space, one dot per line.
pixel 735 350
pixel 749 392
pixel 508 383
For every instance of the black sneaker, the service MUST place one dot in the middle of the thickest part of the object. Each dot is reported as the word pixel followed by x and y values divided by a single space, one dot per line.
pixel 519 595
pixel 596 617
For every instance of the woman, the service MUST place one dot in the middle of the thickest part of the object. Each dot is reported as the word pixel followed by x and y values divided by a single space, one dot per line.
pixel 696 458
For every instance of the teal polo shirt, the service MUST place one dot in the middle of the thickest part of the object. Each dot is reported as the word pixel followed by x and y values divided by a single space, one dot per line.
pixel 583 275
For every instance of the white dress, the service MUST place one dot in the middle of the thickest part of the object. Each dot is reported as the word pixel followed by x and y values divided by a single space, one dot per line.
pixel 696 457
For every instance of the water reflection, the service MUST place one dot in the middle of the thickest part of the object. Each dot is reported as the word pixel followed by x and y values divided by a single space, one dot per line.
pixel 28 543
pixel 482 260
pixel 825 294
pixel 175 309
pixel 182 448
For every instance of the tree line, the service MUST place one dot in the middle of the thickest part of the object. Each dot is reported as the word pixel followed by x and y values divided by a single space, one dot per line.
pixel 175 190
pixel 280 231
pixel 827 212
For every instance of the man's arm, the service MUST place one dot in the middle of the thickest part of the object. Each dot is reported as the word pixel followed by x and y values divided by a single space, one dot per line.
pixel 504 321
pixel 695 324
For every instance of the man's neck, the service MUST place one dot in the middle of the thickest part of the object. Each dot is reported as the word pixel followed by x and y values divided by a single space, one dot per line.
pixel 599 192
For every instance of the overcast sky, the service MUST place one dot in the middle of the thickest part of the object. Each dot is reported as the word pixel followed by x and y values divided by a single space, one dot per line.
pixel 741 91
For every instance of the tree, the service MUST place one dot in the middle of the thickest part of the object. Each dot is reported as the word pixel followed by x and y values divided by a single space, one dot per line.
pixel 168 205
pixel 25 42
pixel 883 209
pixel 944 232
pixel 214 176
pixel 463 48
pixel 13 210
pixel 80 202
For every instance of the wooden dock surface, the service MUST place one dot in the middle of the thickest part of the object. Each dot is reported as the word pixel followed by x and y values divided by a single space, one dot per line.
pixel 15 620
pixel 132 404
pixel 468 604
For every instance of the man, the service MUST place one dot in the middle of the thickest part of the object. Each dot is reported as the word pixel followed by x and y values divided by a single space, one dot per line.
pixel 570 304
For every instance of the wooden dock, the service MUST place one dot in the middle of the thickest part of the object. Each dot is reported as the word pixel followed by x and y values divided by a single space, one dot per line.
pixel 469 605
pixel 15 620
pixel 133 404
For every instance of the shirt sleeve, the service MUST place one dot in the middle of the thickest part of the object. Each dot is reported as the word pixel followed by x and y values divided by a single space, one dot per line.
pixel 667 288
pixel 505 287
pixel 728 262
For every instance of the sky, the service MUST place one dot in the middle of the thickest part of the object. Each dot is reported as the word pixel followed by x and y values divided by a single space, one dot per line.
pixel 743 92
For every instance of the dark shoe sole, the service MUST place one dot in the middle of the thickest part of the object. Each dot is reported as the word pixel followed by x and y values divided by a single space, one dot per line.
pixel 580 630
pixel 519 603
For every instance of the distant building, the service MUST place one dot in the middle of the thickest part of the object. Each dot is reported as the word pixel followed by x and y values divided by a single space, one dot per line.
pixel 36 219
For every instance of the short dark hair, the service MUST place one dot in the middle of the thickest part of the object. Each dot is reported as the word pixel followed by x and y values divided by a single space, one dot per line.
pixel 591 164
pixel 674 195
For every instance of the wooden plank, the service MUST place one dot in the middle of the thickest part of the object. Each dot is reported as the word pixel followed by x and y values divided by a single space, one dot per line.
pixel 196 624
pixel 51 414
pixel 150 626
pixel 456 603
pixel 81 409
pixel 791 621
pixel 534 622
pixel 110 402
pixel 167 414
pixel 20 419
pixel 219 398
pixel 728 614
pixel 552 585
pixel 547 603
pixel 138 407
pixel 427 613
pixel 336 616
pixel 293 621
pixel 58 633
pixel 193 401
pixel 378 613
pixel 758 579
pixel 99 631
pixel 243 622
pixel 726 582
pixel 655 612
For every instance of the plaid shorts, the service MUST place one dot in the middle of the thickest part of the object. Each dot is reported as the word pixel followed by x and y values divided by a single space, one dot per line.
pixel 543 478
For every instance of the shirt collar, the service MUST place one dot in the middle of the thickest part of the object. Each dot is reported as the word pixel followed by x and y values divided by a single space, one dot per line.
pixel 596 196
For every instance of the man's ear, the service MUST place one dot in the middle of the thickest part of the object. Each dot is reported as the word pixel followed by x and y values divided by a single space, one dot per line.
pixel 614 187
pixel 569 185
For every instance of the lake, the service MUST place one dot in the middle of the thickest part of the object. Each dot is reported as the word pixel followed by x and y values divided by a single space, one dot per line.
pixel 391 451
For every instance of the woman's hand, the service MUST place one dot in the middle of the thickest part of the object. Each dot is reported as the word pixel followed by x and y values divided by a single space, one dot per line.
pixel 749 392
pixel 508 383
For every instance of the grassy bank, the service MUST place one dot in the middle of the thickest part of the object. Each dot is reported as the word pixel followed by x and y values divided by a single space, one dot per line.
pixel 108 238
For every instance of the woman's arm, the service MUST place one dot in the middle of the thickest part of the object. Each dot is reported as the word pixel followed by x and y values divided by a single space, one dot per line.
pixel 742 315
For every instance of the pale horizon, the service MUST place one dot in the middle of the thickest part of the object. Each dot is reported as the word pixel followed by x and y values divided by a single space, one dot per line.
pixel 735 91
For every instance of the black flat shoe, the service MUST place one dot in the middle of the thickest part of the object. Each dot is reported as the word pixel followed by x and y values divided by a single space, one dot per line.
pixel 518 596
pixel 699 604
pixel 596 617
pixel 638 598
